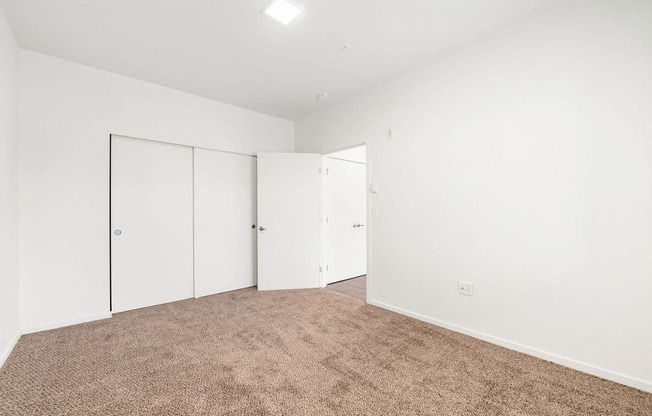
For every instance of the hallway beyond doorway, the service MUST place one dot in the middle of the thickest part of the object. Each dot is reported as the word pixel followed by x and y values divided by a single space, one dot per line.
pixel 356 287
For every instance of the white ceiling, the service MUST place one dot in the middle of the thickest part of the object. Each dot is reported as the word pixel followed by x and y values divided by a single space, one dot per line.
pixel 228 51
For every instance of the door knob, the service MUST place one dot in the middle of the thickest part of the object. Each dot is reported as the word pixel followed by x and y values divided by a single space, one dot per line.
pixel 358 225
pixel 117 232
pixel 261 228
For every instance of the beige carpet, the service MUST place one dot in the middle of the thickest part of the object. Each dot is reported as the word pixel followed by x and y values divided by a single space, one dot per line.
pixel 309 352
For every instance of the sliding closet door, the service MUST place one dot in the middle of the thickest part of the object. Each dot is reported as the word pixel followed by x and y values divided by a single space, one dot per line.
pixel 151 223
pixel 225 216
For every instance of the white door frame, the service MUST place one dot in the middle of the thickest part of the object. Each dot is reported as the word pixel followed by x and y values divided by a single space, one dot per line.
pixel 367 144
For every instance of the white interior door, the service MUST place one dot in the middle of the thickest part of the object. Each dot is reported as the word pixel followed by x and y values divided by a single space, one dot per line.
pixel 151 223
pixel 289 246
pixel 225 212
pixel 345 210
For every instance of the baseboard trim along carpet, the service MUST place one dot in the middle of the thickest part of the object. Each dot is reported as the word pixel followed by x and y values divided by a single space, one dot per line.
pixel 67 322
pixel 567 362
pixel 9 348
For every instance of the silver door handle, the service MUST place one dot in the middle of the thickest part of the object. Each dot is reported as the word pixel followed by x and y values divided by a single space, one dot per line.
pixel 261 228
pixel 117 232
pixel 358 225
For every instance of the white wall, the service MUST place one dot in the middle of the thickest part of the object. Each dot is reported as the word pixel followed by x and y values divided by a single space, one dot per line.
pixel 66 113
pixel 8 190
pixel 522 163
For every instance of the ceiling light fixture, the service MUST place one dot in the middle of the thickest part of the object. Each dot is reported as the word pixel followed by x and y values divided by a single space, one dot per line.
pixel 282 11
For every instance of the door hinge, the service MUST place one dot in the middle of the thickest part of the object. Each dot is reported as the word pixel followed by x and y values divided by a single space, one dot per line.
pixel 327 267
pixel 319 269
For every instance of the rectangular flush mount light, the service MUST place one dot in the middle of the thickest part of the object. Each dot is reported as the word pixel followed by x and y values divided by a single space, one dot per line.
pixel 282 10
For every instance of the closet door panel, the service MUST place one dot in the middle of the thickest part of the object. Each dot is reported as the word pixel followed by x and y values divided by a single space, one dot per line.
pixel 151 223
pixel 225 216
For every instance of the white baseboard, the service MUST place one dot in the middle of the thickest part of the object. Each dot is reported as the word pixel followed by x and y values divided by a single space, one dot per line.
pixel 574 364
pixel 67 322
pixel 7 350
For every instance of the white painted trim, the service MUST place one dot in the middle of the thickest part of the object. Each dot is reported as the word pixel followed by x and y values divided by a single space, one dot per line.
pixel 5 353
pixel 322 225
pixel 368 218
pixel 567 362
pixel 67 322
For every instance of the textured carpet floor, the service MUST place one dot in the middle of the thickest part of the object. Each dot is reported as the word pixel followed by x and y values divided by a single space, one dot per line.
pixel 309 352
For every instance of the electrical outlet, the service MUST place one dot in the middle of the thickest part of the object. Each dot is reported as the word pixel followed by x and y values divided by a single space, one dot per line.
pixel 465 288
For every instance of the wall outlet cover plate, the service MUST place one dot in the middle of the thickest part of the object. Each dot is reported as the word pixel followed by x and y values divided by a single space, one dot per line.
pixel 465 288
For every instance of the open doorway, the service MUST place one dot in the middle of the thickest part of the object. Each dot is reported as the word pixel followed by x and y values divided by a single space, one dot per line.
pixel 344 202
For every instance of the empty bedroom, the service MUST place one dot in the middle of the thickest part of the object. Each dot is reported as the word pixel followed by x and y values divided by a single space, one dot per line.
pixel 310 207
